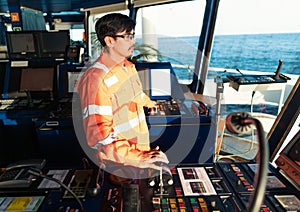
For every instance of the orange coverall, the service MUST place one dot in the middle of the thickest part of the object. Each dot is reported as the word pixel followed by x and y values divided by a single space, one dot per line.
pixel 112 103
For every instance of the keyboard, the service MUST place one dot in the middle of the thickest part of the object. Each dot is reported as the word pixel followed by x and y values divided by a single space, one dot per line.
pixel 15 178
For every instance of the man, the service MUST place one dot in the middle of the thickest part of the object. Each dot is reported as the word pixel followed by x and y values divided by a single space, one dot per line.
pixel 112 99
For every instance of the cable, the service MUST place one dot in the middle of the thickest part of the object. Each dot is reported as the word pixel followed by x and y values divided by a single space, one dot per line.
pixel 239 123
pixel 251 112
pixel 260 178
pixel 36 173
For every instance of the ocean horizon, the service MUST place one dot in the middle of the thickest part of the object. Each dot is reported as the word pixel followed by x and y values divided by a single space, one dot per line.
pixel 253 52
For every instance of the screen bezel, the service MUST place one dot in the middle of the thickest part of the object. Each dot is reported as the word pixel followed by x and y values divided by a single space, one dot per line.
pixel 13 36
pixel 61 39
pixel 286 164
pixel 72 53
pixel 160 84
pixel 290 146
pixel 64 71
pixel 151 67
pixel 37 80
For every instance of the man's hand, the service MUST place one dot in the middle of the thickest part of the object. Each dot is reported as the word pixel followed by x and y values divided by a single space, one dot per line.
pixel 124 153
pixel 149 158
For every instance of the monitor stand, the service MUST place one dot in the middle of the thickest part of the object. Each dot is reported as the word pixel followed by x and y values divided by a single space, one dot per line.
pixel 29 99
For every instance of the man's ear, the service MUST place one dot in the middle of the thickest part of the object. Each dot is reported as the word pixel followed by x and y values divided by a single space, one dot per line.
pixel 109 40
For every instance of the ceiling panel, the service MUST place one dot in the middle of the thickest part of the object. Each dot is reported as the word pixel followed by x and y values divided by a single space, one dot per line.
pixel 57 5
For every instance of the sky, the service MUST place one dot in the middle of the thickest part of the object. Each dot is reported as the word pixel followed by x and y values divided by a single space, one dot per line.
pixel 234 17
pixel 262 16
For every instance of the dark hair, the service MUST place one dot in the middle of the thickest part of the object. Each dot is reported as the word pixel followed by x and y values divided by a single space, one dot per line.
pixel 111 24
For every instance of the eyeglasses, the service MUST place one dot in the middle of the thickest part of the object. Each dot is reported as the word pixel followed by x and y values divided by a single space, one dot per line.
pixel 127 37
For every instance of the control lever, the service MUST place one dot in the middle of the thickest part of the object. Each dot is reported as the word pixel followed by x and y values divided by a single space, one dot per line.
pixel 277 73
pixel 160 179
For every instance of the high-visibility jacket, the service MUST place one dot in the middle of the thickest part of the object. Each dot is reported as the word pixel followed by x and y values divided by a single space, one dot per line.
pixel 112 101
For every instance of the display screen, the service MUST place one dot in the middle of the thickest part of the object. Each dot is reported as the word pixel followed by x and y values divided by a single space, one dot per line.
pixel 72 80
pixel 37 79
pixel 160 83
pixel 159 80
pixel 53 44
pixel 289 159
pixel 293 152
pixel 68 75
pixel 22 45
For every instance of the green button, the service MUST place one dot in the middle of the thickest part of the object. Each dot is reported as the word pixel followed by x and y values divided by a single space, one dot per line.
pixel 164 201
pixel 193 200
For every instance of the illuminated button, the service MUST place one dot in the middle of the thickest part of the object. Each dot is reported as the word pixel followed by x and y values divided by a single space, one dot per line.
pixel 196 210
pixel 193 200
pixel 178 193
pixel 173 170
pixel 180 200
pixel 173 205
pixel 164 201
pixel 242 178
pixel 172 200
pixel 265 209
pixel 249 188
pixel 213 204
pixel 246 183
pixel 181 205
pixel 203 204
pixel 155 200
pixel 239 174
pixel 200 200
pixel 182 210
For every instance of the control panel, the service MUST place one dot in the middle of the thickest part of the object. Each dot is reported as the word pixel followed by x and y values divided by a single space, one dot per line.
pixel 176 107
pixel 255 82
pixel 207 187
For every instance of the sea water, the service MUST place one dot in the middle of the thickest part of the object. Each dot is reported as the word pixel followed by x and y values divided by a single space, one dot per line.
pixel 252 52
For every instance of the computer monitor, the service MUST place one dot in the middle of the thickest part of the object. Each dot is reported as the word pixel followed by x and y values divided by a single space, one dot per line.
pixel 72 54
pixel 52 44
pixel 68 75
pixel 159 80
pixel 22 45
pixel 37 79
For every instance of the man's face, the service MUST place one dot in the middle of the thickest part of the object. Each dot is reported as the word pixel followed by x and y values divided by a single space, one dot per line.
pixel 124 45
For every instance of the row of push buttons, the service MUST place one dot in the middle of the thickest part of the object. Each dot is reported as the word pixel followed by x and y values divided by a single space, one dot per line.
pixel 178 204
pixel 168 205
pixel 241 178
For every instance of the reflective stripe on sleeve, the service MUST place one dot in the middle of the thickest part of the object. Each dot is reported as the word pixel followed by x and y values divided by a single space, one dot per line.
pixel 96 109
pixel 108 140
pixel 130 124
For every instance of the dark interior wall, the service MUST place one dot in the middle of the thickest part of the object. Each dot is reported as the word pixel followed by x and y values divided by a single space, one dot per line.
pixel 2 76
pixel 18 142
